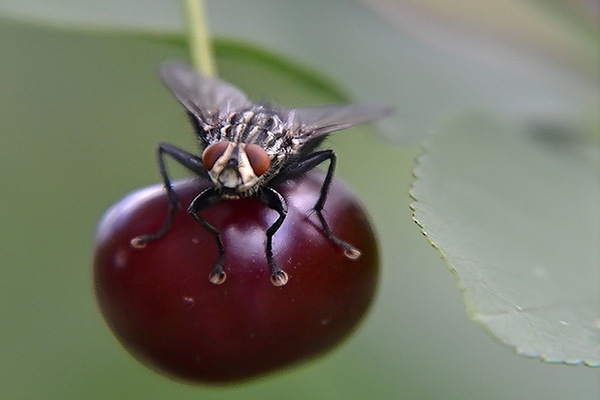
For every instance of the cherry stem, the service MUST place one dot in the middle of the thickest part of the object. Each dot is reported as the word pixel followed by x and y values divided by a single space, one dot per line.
pixel 198 37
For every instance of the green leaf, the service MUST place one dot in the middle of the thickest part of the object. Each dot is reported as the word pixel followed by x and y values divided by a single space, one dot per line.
pixel 528 34
pixel 156 16
pixel 516 216
pixel 250 66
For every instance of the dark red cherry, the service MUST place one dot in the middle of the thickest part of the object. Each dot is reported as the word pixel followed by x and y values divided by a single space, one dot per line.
pixel 159 302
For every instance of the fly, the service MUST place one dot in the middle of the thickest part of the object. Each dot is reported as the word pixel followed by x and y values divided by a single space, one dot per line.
pixel 247 149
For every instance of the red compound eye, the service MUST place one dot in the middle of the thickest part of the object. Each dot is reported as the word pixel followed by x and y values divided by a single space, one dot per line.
pixel 212 153
pixel 259 159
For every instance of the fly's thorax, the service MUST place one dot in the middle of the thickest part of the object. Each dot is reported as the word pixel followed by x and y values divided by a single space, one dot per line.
pixel 258 125
pixel 238 168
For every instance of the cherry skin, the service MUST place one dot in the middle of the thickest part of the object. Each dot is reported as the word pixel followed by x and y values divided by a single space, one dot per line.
pixel 159 302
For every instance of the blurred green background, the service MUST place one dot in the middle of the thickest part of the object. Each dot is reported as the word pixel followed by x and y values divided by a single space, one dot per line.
pixel 81 114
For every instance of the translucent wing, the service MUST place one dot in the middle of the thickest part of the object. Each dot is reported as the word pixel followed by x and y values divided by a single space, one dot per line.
pixel 318 121
pixel 207 98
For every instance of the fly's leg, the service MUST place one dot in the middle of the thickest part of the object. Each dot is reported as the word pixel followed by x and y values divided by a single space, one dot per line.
pixel 275 201
pixel 305 165
pixel 349 250
pixel 189 161
pixel 210 197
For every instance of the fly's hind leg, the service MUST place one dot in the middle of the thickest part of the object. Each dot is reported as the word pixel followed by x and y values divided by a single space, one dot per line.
pixel 305 165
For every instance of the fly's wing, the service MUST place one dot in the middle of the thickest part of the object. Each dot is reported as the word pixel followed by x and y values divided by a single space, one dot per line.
pixel 314 122
pixel 208 99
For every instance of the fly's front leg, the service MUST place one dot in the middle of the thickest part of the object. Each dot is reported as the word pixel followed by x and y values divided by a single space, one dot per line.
pixel 210 197
pixel 275 201
pixel 189 161
pixel 306 165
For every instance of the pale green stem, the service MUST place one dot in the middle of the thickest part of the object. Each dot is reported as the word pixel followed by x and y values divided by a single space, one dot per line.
pixel 199 38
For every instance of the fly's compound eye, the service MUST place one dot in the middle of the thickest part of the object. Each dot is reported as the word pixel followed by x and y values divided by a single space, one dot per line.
pixel 258 158
pixel 212 153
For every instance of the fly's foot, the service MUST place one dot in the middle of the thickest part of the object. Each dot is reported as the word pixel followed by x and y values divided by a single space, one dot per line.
pixel 217 277
pixel 278 276
pixel 139 242
pixel 351 252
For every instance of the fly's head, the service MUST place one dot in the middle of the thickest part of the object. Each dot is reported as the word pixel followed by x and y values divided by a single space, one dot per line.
pixel 245 150
pixel 237 169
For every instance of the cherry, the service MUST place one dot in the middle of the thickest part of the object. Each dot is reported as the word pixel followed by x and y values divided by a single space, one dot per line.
pixel 160 304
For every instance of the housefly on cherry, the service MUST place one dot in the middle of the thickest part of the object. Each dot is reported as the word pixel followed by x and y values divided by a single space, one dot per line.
pixel 246 150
